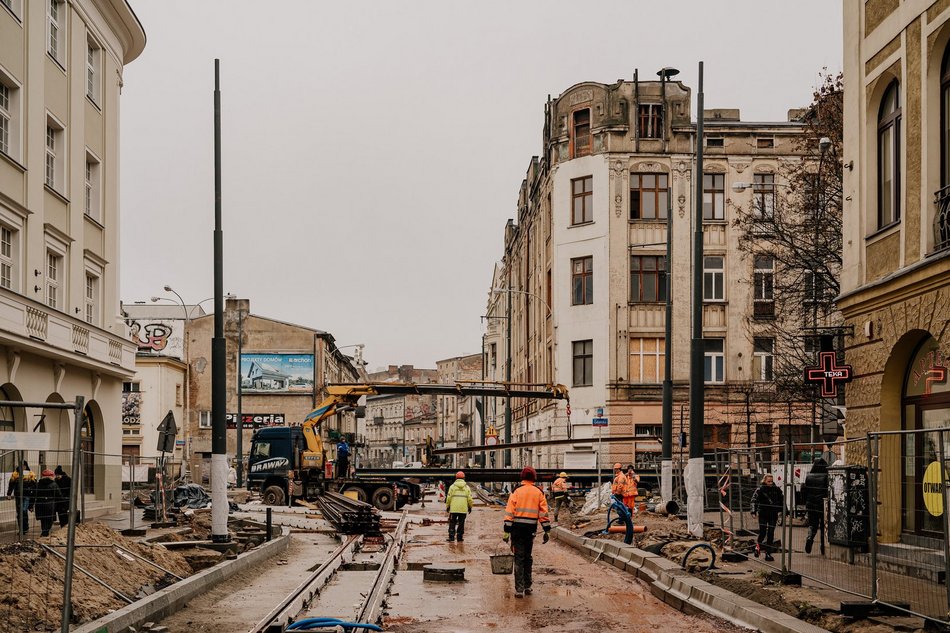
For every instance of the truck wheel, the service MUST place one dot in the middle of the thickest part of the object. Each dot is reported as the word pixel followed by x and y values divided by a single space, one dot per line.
pixel 274 496
pixel 383 498
pixel 360 493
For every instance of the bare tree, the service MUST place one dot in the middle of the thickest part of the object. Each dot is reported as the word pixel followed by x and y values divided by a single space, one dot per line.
pixel 792 233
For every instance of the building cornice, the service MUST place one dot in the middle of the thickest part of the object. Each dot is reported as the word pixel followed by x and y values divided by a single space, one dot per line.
pixel 921 277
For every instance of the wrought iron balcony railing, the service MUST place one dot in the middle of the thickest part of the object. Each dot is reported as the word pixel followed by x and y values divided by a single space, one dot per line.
pixel 942 219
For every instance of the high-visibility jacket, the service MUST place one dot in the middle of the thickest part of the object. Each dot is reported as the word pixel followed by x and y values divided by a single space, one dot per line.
pixel 526 508
pixel 560 487
pixel 459 497
pixel 620 484
pixel 630 490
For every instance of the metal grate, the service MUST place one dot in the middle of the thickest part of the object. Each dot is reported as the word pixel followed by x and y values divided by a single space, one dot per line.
pixel 942 219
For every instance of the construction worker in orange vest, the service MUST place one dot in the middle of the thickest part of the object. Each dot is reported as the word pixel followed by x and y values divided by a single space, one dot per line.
pixel 559 492
pixel 620 482
pixel 526 508
pixel 630 489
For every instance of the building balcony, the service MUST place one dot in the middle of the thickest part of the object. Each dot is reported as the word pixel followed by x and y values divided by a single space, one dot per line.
pixel 942 219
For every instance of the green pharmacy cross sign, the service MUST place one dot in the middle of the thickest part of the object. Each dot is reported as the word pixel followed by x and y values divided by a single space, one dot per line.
pixel 828 374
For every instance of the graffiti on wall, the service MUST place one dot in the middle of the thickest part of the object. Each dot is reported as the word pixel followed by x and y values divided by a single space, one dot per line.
pixel 159 337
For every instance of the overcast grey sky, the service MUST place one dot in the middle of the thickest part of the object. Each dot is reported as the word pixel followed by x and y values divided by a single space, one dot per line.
pixel 372 151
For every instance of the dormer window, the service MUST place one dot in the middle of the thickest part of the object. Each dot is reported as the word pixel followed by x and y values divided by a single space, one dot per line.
pixel 651 120
pixel 580 133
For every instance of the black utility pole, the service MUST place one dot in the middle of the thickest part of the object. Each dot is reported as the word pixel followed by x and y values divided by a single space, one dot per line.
pixel 695 470
pixel 666 464
pixel 219 368
pixel 508 374
pixel 239 423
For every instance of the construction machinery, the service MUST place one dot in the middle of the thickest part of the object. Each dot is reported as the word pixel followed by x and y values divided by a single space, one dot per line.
pixel 290 462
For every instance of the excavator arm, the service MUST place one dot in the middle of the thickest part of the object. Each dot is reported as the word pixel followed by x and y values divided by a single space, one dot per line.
pixel 341 396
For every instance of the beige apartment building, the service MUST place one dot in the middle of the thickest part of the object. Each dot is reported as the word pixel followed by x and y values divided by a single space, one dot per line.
pixel 282 370
pixel 585 273
pixel 397 427
pixel 61 336
pixel 458 422
pixel 895 289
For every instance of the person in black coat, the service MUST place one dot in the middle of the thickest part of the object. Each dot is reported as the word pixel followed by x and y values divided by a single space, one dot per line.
pixel 45 501
pixel 64 482
pixel 768 503
pixel 815 491
pixel 22 493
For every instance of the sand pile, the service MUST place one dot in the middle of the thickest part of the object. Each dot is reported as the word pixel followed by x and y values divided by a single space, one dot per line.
pixel 31 578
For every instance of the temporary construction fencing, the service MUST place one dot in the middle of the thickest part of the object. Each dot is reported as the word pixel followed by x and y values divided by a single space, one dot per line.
pixel 885 526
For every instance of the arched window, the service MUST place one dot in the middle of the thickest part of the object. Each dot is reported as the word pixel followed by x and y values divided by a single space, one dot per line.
pixel 945 119
pixel 888 157
pixel 88 446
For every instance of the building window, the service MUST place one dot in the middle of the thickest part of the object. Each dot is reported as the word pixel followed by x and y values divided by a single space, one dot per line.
pixel 9 116
pixel 647 278
pixel 714 278
pixel 583 363
pixel 763 196
pixel 580 128
pixel 92 187
pixel 814 290
pixel 945 119
pixel 649 196
pixel 55 154
pixel 56 46
pixel 582 200
pixel 717 436
pixel 54 277
pixel 765 143
pixel 92 301
pixel 648 430
pixel 647 357
pixel 582 281
pixel 762 351
pixel 204 421
pixel 93 60
pixel 889 157
pixel 651 120
pixel 763 278
pixel 9 255
pixel 131 387
pixel 713 360
pixel 13 6
pixel 714 195
pixel 715 141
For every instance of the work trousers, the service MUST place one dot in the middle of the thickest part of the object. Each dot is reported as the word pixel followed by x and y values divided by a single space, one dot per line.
pixel 343 466
pixel 457 525
pixel 522 543
pixel 562 501
pixel 767 532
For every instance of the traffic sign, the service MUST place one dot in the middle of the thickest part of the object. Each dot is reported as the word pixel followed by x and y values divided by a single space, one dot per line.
pixel 599 421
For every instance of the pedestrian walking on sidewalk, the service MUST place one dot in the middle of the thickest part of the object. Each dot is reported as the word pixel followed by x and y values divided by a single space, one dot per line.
pixel 815 491
pixel 559 494
pixel 45 501
pixel 458 503
pixel 64 482
pixel 768 503
pixel 22 492
pixel 526 508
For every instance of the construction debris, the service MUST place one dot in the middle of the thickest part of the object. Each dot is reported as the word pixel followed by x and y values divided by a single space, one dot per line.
pixel 349 516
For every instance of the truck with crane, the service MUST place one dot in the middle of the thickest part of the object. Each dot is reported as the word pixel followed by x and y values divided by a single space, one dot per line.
pixel 290 462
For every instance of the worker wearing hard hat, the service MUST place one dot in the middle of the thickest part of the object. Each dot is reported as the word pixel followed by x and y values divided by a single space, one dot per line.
pixel 526 508
pixel 620 482
pixel 458 503
pixel 559 493
pixel 630 490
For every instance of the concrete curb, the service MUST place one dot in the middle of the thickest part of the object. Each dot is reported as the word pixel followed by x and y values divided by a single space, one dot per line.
pixel 682 590
pixel 173 597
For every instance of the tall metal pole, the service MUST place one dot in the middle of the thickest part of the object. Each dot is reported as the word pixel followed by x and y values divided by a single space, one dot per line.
pixel 695 469
pixel 666 463
pixel 71 530
pixel 508 375
pixel 219 368
pixel 239 423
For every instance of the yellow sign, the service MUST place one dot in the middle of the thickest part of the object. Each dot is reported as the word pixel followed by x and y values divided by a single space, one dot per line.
pixel 933 489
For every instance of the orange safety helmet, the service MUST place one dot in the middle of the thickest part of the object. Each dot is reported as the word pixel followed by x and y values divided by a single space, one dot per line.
pixel 617 466
pixel 460 475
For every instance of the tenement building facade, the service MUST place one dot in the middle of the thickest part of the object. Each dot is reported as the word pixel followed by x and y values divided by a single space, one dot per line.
pixel 896 278
pixel 585 272
pixel 61 336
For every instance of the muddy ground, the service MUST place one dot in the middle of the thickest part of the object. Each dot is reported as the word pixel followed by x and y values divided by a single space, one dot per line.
pixel 31 578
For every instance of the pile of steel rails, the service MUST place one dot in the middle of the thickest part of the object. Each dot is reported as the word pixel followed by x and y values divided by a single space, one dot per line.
pixel 349 516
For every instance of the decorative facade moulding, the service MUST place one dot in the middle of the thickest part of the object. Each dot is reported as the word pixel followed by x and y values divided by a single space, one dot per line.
pixel 714 168
pixel 651 167
pixel 764 169
pixel 740 167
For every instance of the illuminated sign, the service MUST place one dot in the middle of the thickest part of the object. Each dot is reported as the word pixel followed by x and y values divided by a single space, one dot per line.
pixel 828 374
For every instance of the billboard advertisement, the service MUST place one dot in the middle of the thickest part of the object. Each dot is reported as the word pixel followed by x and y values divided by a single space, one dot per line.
pixel 277 373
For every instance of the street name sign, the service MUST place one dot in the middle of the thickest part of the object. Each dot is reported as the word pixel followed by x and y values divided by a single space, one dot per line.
pixel 599 421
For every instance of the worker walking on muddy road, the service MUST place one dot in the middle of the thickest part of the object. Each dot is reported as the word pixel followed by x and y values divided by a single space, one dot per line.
pixel 559 494
pixel 458 503
pixel 768 502
pixel 526 508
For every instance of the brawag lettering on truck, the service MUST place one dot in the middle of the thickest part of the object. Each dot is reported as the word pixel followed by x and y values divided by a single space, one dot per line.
pixel 270 464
